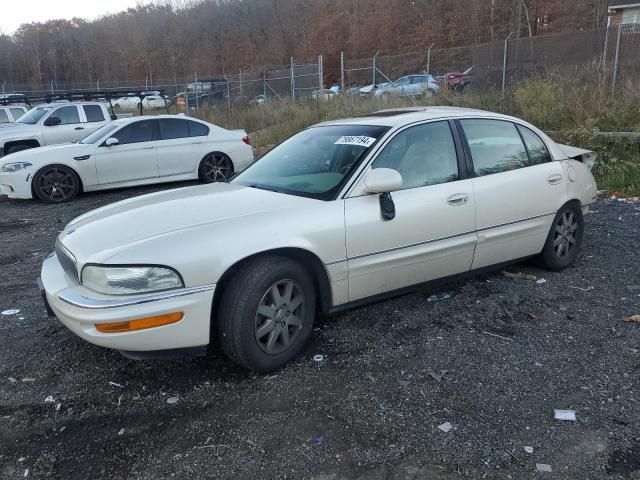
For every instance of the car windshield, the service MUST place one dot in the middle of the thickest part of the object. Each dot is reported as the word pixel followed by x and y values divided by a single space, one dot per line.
pixel 314 163
pixel 33 116
pixel 100 133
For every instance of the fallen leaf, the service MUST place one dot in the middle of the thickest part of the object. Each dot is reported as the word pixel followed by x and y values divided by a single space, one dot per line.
pixel 632 318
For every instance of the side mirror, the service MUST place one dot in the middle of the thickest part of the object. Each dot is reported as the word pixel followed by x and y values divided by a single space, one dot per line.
pixel 383 180
pixel 109 142
pixel 52 121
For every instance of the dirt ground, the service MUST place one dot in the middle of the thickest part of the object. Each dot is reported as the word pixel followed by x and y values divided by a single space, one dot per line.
pixel 494 359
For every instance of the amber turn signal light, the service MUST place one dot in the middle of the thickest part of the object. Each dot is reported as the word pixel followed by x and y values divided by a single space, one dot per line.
pixel 140 324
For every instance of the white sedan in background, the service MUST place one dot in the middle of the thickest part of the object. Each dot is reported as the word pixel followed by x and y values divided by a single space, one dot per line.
pixel 339 214
pixel 148 102
pixel 127 152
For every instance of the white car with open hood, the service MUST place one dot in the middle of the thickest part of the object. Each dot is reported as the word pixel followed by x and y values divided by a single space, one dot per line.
pixel 338 214
pixel 127 152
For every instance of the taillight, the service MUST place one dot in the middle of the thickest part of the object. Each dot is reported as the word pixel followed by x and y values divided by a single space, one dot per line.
pixel 245 139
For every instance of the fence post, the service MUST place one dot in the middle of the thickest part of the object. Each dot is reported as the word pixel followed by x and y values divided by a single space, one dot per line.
pixel 504 63
pixel 264 82
pixel 186 99
pixel 341 71
pixel 228 94
pixel 429 61
pixel 293 82
pixel 240 80
pixel 615 62
pixel 373 86
pixel 320 72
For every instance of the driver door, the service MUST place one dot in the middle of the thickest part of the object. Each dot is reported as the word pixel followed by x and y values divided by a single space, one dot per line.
pixel 71 129
pixel 433 232
pixel 133 158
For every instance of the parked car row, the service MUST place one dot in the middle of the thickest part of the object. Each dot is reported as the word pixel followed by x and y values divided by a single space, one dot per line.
pixel 121 153
pixel 339 214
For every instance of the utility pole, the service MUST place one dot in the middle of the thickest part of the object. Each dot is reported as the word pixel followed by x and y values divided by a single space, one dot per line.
pixel 373 87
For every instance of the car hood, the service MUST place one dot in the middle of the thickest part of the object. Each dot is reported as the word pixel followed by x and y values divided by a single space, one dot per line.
pixel 8 130
pixel 100 234
pixel 46 153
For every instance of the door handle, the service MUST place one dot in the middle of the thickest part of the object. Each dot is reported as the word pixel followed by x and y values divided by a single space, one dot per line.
pixel 147 148
pixel 79 128
pixel 458 199
pixel 196 143
pixel 554 179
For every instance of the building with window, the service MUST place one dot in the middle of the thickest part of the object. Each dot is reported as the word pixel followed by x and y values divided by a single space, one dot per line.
pixel 624 12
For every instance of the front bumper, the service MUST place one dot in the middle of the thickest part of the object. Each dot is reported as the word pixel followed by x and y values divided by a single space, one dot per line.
pixel 80 309
pixel 16 184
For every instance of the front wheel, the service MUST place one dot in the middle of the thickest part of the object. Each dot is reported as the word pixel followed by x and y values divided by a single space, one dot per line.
pixel 564 239
pixel 56 184
pixel 266 313
pixel 215 167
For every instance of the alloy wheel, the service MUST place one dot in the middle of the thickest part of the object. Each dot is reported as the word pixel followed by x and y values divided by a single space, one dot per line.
pixel 279 317
pixel 57 185
pixel 565 234
pixel 217 168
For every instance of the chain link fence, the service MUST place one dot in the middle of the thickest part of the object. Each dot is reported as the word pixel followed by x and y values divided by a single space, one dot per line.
pixel 296 80
pixel 613 51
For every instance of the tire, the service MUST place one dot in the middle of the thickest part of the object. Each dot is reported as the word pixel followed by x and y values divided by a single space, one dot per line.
pixel 564 239
pixel 18 148
pixel 215 167
pixel 56 184
pixel 251 322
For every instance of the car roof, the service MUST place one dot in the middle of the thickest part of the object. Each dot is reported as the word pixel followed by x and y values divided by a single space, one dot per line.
pixel 62 104
pixel 397 117
pixel 122 121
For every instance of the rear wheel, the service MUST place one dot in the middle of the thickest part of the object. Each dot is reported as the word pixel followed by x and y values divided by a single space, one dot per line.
pixel 266 313
pixel 215 167
pixel 56 184
pixel 564 239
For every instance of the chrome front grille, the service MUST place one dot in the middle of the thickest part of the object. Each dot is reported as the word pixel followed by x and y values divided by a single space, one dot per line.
pixel 67 261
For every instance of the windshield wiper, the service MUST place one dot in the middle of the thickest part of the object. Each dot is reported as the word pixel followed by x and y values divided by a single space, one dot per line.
pixel 262 187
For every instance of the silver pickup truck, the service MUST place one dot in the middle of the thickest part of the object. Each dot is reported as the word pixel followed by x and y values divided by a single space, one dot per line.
pixel 51 124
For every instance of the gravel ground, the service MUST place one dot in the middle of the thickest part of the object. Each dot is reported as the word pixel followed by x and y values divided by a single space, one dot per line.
pixel 509 352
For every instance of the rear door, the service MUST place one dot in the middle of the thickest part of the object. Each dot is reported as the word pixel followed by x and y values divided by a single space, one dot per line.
pixel 71 127
pixel 133 158
pixel 178 152
pixel 518 189
pixel 94 118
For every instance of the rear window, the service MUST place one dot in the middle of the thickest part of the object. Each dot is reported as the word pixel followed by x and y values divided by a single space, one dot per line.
pixel 198 130
pixel 173 128
pixel 93 113
pixel 4 118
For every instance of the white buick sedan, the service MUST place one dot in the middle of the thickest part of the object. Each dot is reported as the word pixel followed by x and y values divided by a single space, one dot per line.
pixel 339 214
pixel 127 152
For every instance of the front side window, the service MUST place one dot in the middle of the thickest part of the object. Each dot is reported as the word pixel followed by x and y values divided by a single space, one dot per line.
pixel 495 146
pixel 538 152
pixel 93 113
pixel 4 118
pixel 67 115
pixel 171 128
pixel 135 133
pixel 17 113
pixel 424 155
pixel 401 82
pixel 314 163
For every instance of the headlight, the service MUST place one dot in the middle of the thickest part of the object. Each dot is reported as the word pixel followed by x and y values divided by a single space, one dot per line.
pixel 129 280
pixel 14 166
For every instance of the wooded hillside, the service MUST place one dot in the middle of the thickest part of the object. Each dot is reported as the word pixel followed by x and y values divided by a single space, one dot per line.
pixel 173 40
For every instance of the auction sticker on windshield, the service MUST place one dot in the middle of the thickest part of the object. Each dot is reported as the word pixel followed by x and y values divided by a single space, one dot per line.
pixel 355 140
